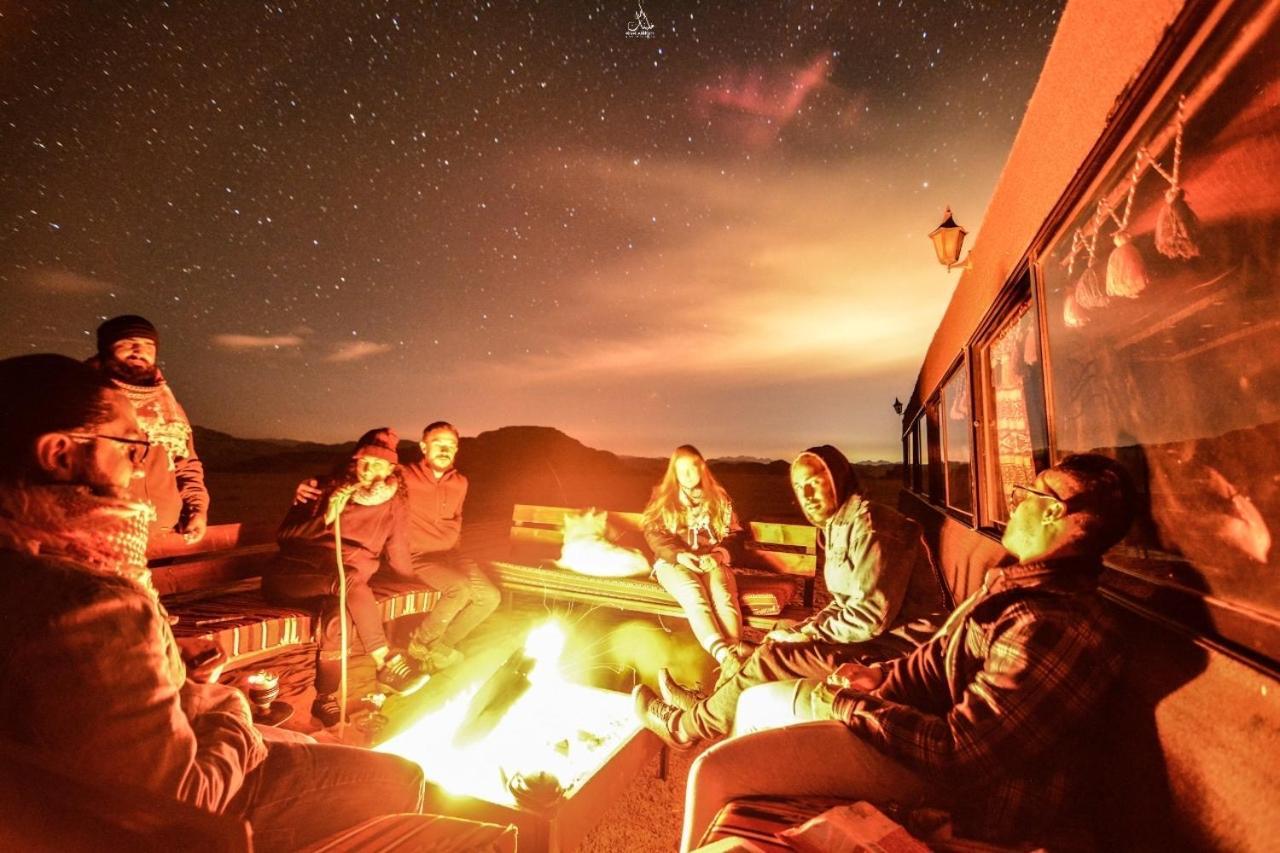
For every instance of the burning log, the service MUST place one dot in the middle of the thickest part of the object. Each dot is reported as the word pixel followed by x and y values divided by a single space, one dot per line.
pixel 508 683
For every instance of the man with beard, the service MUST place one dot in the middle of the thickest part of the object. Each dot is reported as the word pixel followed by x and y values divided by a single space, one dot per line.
pixel 990 718
pixel 883 593
pixel 173 480
pixel 437 491
pixel 367 503
pixel 95 687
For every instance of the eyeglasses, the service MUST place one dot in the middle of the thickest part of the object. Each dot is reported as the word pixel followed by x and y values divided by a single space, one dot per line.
pixel 137 447
pixel 1018 493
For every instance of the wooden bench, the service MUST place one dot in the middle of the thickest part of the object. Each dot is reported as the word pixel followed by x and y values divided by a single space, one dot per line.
pixel 778 559
pixel 214 588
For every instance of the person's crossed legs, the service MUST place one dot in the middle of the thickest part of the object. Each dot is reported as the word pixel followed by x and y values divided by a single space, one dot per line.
pixel 823 759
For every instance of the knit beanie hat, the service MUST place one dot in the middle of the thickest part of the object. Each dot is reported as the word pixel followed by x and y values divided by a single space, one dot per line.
pixel 124 326
pixel 379 442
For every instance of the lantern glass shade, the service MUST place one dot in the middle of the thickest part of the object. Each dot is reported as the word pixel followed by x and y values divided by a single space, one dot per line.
pixel 948 239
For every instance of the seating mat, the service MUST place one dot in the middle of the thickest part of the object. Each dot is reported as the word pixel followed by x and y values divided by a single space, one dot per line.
pixel 760 819
pixel 243 623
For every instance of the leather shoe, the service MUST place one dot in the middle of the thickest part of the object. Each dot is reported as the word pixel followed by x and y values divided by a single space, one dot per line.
pixel 675 693
pixel 659 717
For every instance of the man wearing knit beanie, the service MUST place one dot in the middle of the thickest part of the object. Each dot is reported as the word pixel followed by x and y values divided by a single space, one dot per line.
pixel 174 476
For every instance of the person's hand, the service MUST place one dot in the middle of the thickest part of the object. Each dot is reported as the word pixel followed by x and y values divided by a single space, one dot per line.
pixel 196 526
pixel 856 677
pixel 198 699
pixel 708 563
pixel 689 560
pixel 203 658
pixel 338 502
pixel 307 491
pixel 787 635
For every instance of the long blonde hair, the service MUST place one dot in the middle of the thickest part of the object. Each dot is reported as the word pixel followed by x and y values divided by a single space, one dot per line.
pixel 664 505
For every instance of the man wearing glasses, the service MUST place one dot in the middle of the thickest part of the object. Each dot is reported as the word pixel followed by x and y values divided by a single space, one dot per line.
pixel 95 695
pixel 173 478
pixel 990 718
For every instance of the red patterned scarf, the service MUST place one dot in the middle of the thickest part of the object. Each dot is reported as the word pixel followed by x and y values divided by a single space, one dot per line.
pixel 106 535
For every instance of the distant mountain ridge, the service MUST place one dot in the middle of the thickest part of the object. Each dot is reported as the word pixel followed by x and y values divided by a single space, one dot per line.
pixel 524 464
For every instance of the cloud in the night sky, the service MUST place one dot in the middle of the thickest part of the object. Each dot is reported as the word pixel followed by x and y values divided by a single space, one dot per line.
pixel 356 350
pixel 508 212
pixel 236 342
pixel 65 281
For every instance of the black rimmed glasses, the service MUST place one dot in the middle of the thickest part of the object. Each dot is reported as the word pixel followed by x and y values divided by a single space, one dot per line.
pixel 137 448
pixel 1018 493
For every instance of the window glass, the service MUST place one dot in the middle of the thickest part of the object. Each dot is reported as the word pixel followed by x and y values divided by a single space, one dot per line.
pixel 933 453
pixel 919 457
pixel 957 446
pixel 1164 334
pixel 1015 432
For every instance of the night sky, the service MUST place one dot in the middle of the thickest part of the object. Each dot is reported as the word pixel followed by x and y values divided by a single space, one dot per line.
pixel 351 214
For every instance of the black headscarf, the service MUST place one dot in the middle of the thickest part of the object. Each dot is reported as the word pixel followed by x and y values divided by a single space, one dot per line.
pixel 842 474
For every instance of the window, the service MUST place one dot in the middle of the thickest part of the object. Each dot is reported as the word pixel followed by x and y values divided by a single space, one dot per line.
pixel 933 453
pixel 957 446
pixel 1014 430
pixel 1163 338
pixel 919 457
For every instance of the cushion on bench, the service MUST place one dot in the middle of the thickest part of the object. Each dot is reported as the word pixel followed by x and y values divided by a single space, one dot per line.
pixel 760 819
pixel 244 624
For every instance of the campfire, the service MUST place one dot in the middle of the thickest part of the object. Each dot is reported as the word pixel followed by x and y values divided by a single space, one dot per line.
pixel 525 722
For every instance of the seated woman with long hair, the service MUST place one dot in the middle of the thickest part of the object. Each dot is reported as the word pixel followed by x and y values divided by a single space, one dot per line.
pixel 690 525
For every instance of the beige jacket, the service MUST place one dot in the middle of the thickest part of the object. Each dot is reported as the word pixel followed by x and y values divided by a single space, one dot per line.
pixel 92 680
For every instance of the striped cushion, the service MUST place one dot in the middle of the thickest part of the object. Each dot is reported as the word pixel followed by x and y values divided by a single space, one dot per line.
pixel 242 623
pixel 760 819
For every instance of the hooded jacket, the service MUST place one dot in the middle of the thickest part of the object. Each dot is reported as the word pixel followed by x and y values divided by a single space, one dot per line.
pixel 875 563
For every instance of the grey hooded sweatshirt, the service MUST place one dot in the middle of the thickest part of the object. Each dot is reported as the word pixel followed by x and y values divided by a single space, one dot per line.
pixel 875 564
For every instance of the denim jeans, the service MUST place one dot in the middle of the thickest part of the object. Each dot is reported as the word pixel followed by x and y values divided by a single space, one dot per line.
pixel 709 600
pixel 467 598
pixel 299 588
pixel 822 759
pixel 713 717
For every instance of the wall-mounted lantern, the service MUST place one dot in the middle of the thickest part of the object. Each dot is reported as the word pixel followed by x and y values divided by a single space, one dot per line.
pixel 897 406
pixel 948 239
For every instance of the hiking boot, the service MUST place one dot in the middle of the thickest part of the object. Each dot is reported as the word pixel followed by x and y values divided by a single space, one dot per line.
pixel 401 675
pixel 442 657
pixel 659 717
pixel 326 710
pixel 675 693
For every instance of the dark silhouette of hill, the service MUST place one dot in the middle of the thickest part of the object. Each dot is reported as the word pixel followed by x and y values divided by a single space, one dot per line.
pixel 515 464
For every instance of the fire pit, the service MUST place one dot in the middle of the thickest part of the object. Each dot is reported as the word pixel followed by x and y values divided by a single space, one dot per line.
pixel 530 748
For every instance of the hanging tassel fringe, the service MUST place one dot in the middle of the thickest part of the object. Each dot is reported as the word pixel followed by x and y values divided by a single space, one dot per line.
pixel 1126 271
pixel 1072 316
pixel 1090 293
pixel 1177 226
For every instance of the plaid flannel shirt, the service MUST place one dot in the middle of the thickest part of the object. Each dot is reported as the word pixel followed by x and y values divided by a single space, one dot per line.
pixel 997 705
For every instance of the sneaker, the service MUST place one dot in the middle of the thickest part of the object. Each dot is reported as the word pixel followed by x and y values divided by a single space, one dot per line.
pixel 442 657
pixel 326 709
pixel 659 717
pixel 675 693
pixel 401 675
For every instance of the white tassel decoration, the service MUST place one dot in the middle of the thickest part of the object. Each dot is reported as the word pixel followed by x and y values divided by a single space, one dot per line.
pixel 1072 316
pixel 1090 292
pixel 1176 227
pixel 1126 271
